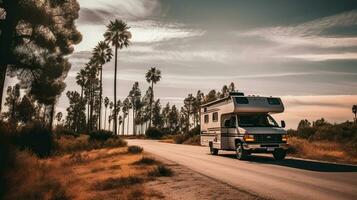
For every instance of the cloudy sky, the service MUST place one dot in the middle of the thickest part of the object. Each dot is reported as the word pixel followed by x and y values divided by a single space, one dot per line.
pixel 303 51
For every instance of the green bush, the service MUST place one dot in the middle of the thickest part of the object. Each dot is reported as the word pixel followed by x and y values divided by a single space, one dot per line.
pixel 135 149
pixel 101 135
pixel 180 138
pixel 60 130
pixel 154 133
pixel 306 132
pixel 161 170
pixel 36 138
pixel 195 131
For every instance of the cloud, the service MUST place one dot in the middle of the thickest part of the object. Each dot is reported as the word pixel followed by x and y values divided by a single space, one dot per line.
pixel 323 57
pixel 315 34
pixel 152 31
pixel 99 11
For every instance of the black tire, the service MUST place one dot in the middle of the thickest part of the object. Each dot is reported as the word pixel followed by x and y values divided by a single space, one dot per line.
pixel 212 150
pixel 279 154
pixel 241 154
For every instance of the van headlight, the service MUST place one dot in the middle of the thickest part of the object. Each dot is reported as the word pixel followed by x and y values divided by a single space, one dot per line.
pixel 284 138
pixel 248 138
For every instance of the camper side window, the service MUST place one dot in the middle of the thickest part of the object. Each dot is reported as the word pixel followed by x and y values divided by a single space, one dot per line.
pixel 206 118
pixel 215 117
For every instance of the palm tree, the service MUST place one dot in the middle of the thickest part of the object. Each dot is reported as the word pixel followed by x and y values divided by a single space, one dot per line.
pixel 354 111
pixel 106 104
pixel 152 76
pixel 111 105
pixel 118 35
pixel 102 54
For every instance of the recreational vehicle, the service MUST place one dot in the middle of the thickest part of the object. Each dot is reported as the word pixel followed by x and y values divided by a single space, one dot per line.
pixel 243 124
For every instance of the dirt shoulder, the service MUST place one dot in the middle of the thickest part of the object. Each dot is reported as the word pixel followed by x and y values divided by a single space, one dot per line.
pixel 188 184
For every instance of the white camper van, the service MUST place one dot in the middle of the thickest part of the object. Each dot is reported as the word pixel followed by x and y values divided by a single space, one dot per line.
pixel 243 124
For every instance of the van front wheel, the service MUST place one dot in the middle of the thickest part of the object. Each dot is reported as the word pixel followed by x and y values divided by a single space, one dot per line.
pixel 241 154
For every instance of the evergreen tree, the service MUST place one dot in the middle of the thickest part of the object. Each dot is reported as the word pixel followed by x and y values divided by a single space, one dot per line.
pixel 12 101
pixel 32 31
pixel 157 119
pixel 26 109
pixel 135 98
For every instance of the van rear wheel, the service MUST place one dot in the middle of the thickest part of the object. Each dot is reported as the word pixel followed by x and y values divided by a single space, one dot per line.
pixel 241 154
pixel 212 150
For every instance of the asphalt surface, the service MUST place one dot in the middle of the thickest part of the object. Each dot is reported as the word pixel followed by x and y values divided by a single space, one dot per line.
pixel 261 175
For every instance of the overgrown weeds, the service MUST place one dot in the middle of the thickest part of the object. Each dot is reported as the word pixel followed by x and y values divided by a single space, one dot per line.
pixel 113 183
pixel 146 161
pixel 135 149
pixel 161 170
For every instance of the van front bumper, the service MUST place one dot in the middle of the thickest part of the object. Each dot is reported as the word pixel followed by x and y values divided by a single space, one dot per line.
pixel 263 148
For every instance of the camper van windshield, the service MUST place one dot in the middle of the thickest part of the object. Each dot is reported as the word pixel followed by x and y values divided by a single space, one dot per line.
pixel 256 120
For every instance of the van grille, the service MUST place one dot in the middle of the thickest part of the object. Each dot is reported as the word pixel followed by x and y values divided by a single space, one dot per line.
pixel 267 138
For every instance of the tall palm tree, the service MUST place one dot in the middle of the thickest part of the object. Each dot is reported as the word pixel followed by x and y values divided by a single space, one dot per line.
pixel 152 76
pixel 102 54
pixel 106 104
pixel 118 35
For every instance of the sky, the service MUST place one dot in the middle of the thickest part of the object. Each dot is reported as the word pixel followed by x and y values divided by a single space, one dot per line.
pixel 302 51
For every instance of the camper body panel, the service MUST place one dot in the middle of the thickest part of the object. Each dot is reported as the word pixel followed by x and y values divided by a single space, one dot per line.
pixel 221 130
pixel 211 129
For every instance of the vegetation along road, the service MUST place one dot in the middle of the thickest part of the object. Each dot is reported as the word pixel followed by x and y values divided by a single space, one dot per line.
pixel 301 179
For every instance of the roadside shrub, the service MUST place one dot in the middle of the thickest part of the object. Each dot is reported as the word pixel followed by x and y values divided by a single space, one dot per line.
pixel 161 170
pixel 112 183
pixel 135 149
pixel 101 135
pixel 60 130
pixel 145 161
pixel 195 131
pixel 180 138
pixel 154 133
pixel 36 138
pixel 6 157
pixel 194 140
pixel 306 132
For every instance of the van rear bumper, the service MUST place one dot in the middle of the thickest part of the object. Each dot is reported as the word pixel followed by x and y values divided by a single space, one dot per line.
pixel 264 148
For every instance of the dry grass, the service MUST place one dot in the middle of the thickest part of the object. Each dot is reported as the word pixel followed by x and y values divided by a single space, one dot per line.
pixel 33 179
pixel 96 174
pixel 135 149
pixel 146 161
pixel 194 140
pixel 70 144
pixel 320 150
pixel 113 183
pixel 161 170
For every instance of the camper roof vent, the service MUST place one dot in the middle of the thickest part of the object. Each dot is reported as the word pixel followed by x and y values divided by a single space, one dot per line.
pixel 236 93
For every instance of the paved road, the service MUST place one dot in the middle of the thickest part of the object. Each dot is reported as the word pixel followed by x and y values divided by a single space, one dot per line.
pixel 261 175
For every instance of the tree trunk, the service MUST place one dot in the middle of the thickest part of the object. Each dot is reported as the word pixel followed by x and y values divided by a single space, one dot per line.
pixel 100 97
pixel 127 127
pixel 123 126
pixel 44 115
pixel 115 90
pixel 151 100
pixel 88 116
pixel 50 123
pixel 105 118
pixel 2 82
pixel 134 128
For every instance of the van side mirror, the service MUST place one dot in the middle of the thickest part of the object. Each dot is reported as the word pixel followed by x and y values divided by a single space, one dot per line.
pixel 283 124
